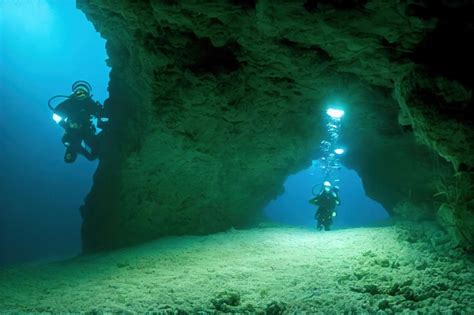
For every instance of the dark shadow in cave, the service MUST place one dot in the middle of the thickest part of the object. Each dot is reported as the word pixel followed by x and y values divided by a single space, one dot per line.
pixel 204 57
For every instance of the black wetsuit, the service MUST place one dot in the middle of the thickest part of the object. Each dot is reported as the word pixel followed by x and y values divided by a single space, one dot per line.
pixel 326 202
pixel 76 120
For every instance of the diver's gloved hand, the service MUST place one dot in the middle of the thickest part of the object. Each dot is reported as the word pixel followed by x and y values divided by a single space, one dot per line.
pixel 334 213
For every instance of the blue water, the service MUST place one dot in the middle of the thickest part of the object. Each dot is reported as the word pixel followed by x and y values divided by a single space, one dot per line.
pixel 356 208
pixel 44 47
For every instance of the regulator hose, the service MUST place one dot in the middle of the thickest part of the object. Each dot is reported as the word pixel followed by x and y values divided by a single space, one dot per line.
pixel 54 97
pixel 315 186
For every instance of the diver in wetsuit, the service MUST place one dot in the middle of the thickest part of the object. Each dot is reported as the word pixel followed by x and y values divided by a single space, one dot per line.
pixel 75 115
pixel 326 201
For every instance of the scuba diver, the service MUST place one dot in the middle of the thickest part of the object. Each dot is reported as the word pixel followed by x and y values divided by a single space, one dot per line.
pixel 326 201
pixel 75 116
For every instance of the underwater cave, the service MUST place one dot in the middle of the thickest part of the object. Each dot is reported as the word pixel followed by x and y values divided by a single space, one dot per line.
pixel 293 208
pixel 217 109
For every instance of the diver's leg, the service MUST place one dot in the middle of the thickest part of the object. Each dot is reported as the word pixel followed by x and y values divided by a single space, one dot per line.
pixel 70 143
pixel 322 218
pixel 66 139
pixel 85 153
pixel 318 220
pixel 320 226
pixel 327 224
pixel 92 141
pixel 70 156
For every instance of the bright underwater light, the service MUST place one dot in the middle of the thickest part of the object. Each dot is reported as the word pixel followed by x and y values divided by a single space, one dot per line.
pixel 339 151
pixel 335 113
pixel 57 118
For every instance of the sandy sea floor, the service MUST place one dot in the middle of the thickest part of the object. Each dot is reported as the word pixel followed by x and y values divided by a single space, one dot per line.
pixel 396 269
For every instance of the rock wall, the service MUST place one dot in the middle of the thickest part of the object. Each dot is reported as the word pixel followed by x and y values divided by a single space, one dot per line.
pixel 212 104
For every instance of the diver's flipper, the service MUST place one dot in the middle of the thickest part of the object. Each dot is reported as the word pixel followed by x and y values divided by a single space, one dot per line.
pixel 69 156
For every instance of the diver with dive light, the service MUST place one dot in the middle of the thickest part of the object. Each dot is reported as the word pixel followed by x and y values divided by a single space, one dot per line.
pixel 75 116
pixel 326 201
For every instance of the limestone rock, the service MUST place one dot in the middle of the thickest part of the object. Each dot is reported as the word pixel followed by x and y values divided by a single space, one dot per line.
pixel 212 104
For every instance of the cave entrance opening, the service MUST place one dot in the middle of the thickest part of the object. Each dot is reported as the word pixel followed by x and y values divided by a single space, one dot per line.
pixel 356 209
pixel 45 47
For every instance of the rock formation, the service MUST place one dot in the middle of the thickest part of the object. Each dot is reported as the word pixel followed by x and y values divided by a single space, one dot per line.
pixel 213 104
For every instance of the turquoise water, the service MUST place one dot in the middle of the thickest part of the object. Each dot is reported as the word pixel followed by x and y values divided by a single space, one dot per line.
pixel 44 47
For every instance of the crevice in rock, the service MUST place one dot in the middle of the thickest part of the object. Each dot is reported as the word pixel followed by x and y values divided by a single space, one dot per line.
pixel 245 4
pixel 313 5
pixel 302 50
pixel 204 57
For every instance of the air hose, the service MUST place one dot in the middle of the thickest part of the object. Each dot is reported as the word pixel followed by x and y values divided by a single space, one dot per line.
pixel 312 189
pixel 54 97
pixel 75 85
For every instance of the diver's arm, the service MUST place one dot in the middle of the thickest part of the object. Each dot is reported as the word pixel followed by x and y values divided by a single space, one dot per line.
pixel 338 202
pixel 336 198
pixel 99 112
pixel 60 114
pixel 95 108
pixel 99 109
pixel 314 201
pixel 63 123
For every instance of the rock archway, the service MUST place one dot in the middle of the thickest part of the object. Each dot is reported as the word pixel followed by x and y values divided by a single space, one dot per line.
pixel 213 104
